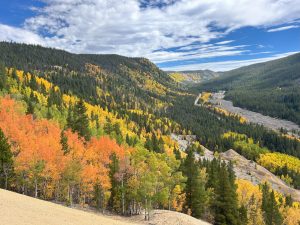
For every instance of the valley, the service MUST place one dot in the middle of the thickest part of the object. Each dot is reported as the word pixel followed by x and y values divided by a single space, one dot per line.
pixel 119 135
pixel 149 112
pixel 217 100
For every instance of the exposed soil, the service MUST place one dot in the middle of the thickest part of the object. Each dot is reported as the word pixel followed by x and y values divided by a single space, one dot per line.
pixel 17 209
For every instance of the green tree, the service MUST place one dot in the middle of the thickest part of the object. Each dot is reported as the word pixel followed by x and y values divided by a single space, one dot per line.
pixel 6 160
pixel 3 77
pixel 64 142
pixel 190 171
pixel 270 207
pixel 113 170
pixel 78 121
pixel 199 195
pixel 226 204
pixel 243 215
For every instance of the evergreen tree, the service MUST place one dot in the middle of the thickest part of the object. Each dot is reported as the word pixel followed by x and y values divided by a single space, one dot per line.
pixel 108 128
pixel 288 200
pixel 226 205
pixel 148 144
pixel 6 160
pixel 270 207
pixel 64 142
pixel 30 104
pixel 80 121
pixel 199 195
pixel 243 215
pixel 70 119
pixel 3 77
pixel 190 171
pixel 213 172
pixel 113 169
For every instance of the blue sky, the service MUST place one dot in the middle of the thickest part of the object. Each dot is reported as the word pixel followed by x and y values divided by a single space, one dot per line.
pixel 175 34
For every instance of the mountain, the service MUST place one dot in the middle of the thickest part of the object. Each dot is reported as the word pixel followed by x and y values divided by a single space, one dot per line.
pixel 134 81
pixel 98 131
pixel 193 76
pixel 271 88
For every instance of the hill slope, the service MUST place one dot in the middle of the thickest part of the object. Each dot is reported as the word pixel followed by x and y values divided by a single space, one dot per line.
pixel 115 81
pixel 251 171
pixel 271 88
pixel 193 76
pixel 17 209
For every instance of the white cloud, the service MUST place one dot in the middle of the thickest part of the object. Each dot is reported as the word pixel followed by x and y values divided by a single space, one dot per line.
pixel 225 65
pixel 15 34
pixel 283 28
pixel 205 51
pixel 224 42
pixel 123 27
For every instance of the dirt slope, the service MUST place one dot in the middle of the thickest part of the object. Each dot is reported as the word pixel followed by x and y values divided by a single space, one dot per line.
pixel 17 209
pixel 163 217
pixel 249 170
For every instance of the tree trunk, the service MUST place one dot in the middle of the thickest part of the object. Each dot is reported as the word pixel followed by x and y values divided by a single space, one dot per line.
pixel 102 194
pixel 146 203
pixel 149 207
pixel 6 179
pixel 36 188
pixel 123 197
pixel 71 196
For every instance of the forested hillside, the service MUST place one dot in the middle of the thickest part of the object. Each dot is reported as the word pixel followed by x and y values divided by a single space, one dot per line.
pixel 95 130
pixel 271 88
pixel 193 76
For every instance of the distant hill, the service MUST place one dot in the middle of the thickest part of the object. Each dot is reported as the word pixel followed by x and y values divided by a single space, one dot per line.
pixel 193 76
pixel 125 82
pixel 271 88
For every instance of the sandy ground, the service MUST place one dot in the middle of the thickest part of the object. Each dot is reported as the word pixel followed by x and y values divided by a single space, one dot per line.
pixel 17 209
pixel 164 217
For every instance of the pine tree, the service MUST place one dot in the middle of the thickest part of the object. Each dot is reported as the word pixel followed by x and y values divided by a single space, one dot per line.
pixel 113 169
pixel 3 77
pixel 148 144
pixel 288 201
pixel 30 104
pixel 64 142
pixel 243 215
pixel 213 173
pixel 6 160
pixel 270 207
pixel 199 195
pixel 80 121
pixel 70 117
pixel 226 205
pixel 190 171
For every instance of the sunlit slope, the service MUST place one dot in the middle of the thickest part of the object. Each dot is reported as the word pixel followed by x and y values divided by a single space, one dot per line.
pixel 17 209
